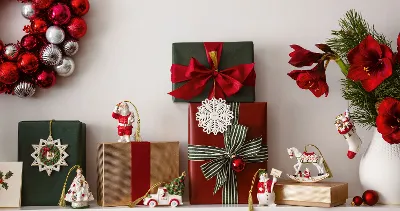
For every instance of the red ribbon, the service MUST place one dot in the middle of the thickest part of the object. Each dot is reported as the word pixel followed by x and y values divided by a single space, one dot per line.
pixel 45 150
pixel 227 82
pixel 140 169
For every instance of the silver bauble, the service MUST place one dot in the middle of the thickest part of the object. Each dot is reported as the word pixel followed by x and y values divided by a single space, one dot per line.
pixel 55 35
pixel 11 52
pixel 70 47
pixel 24 89
pixel 27 10
pixel 66 68
pixel 51 55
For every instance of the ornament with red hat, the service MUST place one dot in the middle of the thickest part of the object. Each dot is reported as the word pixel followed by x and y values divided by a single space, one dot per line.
pixel 345 126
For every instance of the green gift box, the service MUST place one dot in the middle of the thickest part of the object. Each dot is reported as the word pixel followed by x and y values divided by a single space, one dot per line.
pixel 196 75
pixel 38 188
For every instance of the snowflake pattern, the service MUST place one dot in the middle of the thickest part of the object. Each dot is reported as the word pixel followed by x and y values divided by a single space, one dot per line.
pixel 214 116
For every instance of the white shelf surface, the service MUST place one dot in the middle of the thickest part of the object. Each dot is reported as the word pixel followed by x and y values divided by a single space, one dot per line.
pixel 241 207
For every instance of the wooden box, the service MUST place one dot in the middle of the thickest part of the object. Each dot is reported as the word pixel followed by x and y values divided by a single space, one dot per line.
pixel 320 194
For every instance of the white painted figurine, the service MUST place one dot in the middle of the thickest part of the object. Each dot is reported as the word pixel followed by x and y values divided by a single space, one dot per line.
pixel 308 158
pixel 125 119
pixel 79 192
pixel 162 197
pixel 345 126
pixel 265 188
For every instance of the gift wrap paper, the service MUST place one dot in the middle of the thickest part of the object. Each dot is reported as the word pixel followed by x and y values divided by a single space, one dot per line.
pixel 319 194
pixel 252 115
pixel 127 170
pixel 233 53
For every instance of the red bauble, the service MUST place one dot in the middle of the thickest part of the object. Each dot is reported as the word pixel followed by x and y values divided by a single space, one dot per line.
pixel 59 14
pixel 38 25
pixel 370 197
pixel 8 73
pixel 80 7
pixel 238 164
pixel 77 28
pixel 357 201
pixel 28 63
pixel 46 79
pixel 29 42
pixel 1 47
pixel 41 4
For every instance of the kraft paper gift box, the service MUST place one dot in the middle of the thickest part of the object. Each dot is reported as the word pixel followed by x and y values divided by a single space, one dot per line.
pixel 38 188
pixel 126 171
pixel 252 117
pixel 193 68
pixel 318 194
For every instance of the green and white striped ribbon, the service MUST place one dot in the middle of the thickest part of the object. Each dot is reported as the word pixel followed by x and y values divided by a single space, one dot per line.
pixel 219 159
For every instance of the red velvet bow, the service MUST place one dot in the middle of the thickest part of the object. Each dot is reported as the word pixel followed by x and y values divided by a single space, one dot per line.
pixel 226 82
pixel 45 150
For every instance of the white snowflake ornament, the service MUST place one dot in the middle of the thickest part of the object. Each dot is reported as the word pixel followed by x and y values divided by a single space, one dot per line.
pixel 214 116
pixel 49 155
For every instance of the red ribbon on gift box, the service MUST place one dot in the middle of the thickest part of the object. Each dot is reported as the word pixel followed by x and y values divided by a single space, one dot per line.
pixel 227 82
pixel 140 169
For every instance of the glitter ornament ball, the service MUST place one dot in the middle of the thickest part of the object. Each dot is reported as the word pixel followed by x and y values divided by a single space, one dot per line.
pixel 27 10
pixel 370 197
pixel 41 4
pixel 238 164
pixel 70 47
pixel 24 89
pixel 38 25
pixel 80 7
pixel 51 55
pixel 8 73
pixel 28 63
pixel 55 35
pixel 77 28
pixel 59 14
pixel 66 68
pixel 29 42
pixel 357 201
pixel 11 52
pixel 46 79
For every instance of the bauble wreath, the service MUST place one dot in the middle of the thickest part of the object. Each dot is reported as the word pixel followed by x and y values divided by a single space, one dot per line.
pixel 45 51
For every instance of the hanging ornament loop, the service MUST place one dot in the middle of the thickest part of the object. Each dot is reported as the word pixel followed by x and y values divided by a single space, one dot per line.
pixel 61 202
pixel 50 126
pixel 137 136
pixel 327 169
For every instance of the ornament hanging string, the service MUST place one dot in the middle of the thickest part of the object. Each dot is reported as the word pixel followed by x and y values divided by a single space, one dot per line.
pixel 61 202
pixel 250 200
pixel 50 126
pixel 138 138
pixel 327 169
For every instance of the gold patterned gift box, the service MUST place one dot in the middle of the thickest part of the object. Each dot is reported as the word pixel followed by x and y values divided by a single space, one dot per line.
pixel 319 194
pixel 127 170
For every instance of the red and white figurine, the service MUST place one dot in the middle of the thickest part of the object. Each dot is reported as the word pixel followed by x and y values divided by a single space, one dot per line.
pixel 345 126
pixel 265 188
pixel 125 119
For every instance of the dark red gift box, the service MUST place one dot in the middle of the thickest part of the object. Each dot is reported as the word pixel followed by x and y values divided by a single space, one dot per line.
pixel 252 115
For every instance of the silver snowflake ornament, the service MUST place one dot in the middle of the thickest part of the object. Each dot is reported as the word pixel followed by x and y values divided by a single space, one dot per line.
pixel 49 155
pixel 214 116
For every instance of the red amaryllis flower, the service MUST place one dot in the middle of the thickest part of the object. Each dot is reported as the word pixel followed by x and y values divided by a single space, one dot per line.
pixel 388 120
pixel 301 57
pixel 370 63
pixel 313 80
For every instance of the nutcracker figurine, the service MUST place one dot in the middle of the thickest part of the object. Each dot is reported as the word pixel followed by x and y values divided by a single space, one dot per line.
pixel 345 126
pixel 265 188
pixel 125 118
pixel 79 193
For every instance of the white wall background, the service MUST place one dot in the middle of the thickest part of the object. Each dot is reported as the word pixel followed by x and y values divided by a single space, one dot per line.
pixel 126 54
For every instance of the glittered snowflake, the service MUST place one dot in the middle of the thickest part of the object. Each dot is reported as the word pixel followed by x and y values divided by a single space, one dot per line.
pixel 49 155
pixel 214 116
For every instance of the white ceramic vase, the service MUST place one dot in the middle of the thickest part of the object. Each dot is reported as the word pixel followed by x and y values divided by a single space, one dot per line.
pixel 380 169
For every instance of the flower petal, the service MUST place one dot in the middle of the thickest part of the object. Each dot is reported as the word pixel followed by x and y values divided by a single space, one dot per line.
pixel 321 88
pixel 370 84
pixel 387 105
pixel 386 69
pixel 357 73
pixel 295 73
pixel 387 52
pixel 393 138
pixel 324 47
pixel 301 57
pixel 384 125
pixel 372 47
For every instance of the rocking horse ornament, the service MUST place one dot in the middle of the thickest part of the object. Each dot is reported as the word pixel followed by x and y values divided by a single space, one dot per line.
pixel 309 158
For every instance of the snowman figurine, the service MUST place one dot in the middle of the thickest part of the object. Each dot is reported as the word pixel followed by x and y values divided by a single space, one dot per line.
pixel 79 192
pixel 265 190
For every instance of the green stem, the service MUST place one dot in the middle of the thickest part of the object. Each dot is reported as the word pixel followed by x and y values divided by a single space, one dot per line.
pixel 342 66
